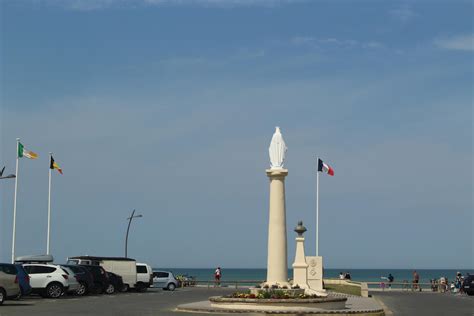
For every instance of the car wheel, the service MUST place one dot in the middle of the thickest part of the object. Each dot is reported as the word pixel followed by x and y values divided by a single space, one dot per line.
pixel 54 290
pixel 171 287
pixel 2 296
pixel 110 289
pixel 82 289
pixel 141 287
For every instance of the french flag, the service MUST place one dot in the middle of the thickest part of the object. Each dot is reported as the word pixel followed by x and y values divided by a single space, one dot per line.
pixel 322 167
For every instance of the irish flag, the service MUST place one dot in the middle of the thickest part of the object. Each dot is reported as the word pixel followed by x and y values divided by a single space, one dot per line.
pixel 322 167
pixel 22 152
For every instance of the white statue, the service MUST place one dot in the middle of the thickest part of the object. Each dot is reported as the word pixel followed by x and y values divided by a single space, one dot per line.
pixel 277 150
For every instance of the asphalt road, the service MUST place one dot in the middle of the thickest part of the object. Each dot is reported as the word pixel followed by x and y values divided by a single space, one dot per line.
pixel 159 302
pixel 426 303
pixel 152 302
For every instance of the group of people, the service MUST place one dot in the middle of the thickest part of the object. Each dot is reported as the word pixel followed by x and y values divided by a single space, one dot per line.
pixel 443 285
pixel 344 276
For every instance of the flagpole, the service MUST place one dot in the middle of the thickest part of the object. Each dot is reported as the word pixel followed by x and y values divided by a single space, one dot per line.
pixel 14 200
pixel 317 210
pixel 49 205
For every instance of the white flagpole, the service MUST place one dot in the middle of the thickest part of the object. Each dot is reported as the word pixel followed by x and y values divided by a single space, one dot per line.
pixel 14 200
pixel 317 210
pixel 49 205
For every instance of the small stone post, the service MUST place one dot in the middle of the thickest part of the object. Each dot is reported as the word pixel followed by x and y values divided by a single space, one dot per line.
pixel 300 266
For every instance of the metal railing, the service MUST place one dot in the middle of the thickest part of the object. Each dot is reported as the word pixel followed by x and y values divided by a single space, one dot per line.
pixel 407 286
pixel 221 283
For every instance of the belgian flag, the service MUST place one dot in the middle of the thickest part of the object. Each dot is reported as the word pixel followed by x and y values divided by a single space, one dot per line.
pixel 54 165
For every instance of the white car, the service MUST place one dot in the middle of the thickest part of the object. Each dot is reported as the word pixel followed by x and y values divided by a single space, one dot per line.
pixel 144 277
pixel 50 280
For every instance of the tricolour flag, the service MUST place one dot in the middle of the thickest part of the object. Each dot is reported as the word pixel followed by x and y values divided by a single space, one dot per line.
pixel 22 152
pixel 322 167
pixel 54 165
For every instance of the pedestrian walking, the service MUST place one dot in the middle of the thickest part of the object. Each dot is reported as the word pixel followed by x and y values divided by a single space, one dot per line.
pixel 217 276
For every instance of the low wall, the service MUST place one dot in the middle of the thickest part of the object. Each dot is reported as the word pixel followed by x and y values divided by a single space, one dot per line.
pixel 347 287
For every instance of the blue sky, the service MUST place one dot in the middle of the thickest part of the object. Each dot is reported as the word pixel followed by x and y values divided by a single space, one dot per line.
pixel 169 107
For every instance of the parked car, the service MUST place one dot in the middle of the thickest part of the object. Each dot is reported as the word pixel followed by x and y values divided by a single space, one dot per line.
pixel 100 278
pixel 125 267
pixel 48 280
pixel 84 277
pixel 73 282
pixel 468 285
pixel 115 283
pixel 165 280
pixel 144 277
pixel 9 287
pixel 23 280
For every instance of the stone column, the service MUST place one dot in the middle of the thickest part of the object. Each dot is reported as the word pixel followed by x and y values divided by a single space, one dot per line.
pixel 277 266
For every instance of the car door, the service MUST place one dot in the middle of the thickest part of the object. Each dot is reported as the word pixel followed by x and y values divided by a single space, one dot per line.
pixel 161 279
pixel 40 276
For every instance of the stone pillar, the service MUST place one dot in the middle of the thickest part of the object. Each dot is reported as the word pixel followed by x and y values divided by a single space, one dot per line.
pixel 277 266
pixel 315 274
pixel 300 266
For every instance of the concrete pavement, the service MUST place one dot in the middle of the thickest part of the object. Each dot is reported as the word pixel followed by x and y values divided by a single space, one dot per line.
pixel 425 303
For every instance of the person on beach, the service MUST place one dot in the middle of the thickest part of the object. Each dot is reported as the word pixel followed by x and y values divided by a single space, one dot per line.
pixel 341 276
pixel 416 280
pixel 459 282
pixel 347 276
pixel 217 276
pixel 390 280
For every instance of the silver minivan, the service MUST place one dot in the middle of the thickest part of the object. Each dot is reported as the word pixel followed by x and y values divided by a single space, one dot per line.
pixel 9 287
pixel 164 280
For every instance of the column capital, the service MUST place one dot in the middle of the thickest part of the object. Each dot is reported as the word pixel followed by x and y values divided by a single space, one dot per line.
pixel 276 173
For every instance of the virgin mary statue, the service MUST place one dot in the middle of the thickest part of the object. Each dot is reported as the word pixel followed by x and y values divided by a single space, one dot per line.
pixel 277 150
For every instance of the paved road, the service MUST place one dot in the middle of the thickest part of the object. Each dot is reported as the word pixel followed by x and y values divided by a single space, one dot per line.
pixel 152 302
pixel 426 303
pixel 159 302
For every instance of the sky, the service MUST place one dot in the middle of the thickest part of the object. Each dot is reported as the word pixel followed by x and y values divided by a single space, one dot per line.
pixel 168 107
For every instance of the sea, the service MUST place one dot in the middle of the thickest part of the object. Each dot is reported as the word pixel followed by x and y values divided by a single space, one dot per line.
pixel 367 275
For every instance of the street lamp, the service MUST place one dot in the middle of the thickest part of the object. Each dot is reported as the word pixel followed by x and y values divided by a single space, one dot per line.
pixel 128 228
pixel 10 176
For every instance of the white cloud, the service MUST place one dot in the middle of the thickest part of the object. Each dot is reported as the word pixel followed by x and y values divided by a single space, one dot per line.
pixel 459 42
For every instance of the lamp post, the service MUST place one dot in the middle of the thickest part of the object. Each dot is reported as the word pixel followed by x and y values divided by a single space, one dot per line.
pixel 128 229
pixel 10 176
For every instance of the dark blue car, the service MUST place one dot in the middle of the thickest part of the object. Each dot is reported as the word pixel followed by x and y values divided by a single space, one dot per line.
pixel 23 280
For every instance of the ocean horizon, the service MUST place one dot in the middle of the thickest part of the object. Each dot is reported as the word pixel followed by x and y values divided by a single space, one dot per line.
pixel 369 275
